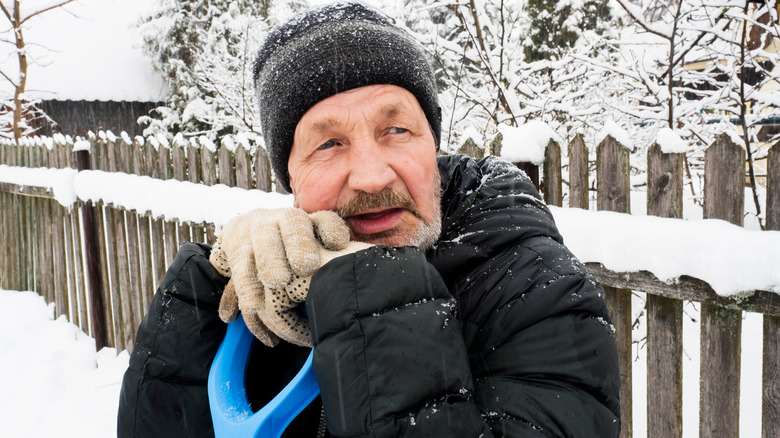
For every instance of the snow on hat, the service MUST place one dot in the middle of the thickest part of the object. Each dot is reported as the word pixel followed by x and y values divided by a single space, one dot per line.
pixel 328 50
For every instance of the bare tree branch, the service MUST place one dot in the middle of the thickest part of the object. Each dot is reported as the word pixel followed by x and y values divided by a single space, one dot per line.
pixel 6 12
pixel 641 22
pixel 9 79
pixel 59 5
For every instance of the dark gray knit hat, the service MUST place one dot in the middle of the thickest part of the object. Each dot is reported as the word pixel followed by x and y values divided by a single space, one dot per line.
pixel 326 51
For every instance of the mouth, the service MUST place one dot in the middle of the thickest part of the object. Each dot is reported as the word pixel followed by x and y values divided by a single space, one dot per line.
pixel 374 222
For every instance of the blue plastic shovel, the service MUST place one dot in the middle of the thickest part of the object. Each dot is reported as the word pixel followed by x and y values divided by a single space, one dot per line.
pixel 230 410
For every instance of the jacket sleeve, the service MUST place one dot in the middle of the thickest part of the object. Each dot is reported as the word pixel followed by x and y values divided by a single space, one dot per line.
pixel 389 354
pixel 543 353
pixel 164 388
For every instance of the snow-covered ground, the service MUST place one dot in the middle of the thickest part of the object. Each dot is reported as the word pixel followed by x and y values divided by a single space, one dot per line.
pixel 52 382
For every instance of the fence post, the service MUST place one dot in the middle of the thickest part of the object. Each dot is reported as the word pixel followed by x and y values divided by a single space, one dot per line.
pixel 664 315
pixel 613 191
pixel 99 154
pixel 721 328
pixel 552 184
pixel 96 304
pixel 770 400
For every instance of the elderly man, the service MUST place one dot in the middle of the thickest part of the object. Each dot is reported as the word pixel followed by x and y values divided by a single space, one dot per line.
pixel 442 302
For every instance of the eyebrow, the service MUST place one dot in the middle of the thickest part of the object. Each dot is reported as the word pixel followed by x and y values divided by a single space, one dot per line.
pixel 391 110
pixel 324 125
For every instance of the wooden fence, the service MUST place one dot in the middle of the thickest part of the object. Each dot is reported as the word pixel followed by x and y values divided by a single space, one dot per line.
pixel 45 252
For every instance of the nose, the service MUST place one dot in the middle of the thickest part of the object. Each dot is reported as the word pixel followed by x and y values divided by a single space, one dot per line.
pixel 371 169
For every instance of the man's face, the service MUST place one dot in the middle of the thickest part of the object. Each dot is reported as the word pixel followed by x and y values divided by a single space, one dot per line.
pixel 369 154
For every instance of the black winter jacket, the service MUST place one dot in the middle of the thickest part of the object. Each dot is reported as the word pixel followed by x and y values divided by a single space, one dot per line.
pixel 496 331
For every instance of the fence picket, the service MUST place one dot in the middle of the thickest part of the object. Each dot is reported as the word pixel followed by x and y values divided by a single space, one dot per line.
pixel 129 165
pixel 108 162
pixel 664 315
pixel 146 270
pixel 179 170
pixel 262 170
pixel 613 191
pixel 78 261
pixel 209 176
pixel 68 280
pixel 47 219
pixel 27 235
pixel 770 399
pixel 169 226
pixel 578 173
pixel 226 166
pixel 193 175
pixel 156 225
pixel 117 164
pixel 721 328
pixel 552 184
pixel 243 168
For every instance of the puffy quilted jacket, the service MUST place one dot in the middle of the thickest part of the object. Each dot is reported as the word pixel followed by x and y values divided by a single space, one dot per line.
pixel 497 330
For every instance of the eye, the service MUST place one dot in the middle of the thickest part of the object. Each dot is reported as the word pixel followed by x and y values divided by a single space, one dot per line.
pixel 327 145
pixel 397 130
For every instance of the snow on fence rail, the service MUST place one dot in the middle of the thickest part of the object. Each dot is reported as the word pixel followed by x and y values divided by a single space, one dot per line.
pixel 149 197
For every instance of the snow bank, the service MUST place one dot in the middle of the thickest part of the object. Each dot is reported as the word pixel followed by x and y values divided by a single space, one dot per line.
pixel 728 257
pixel 60 181
pixel 174 200
pixel 53 382
pixel 526 143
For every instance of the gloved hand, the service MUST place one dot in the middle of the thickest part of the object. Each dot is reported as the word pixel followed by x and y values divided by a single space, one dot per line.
pixel 278 313
pixel 262 250
pixel 283 314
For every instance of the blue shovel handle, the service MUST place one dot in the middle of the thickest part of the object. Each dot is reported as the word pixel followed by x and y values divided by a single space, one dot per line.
pixel 230 410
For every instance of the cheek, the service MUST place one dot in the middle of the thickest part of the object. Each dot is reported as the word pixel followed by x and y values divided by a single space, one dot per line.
pixel 420 177
pixel 315 191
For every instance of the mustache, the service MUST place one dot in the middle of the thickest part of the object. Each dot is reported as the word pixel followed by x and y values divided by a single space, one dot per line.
pixel 387 198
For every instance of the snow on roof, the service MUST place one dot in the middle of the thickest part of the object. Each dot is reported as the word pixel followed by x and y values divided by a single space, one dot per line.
pixel 88 50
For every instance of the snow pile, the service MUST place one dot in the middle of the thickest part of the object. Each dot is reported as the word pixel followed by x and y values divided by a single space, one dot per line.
pixel 614 130
pixel 670 142
pixel 60 181
pixel 728 257
pixel 53 382
pixel 526 143
pixel 174 200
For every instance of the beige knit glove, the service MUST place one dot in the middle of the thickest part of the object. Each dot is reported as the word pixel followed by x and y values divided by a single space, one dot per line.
pixel 262 250
pixel 283 313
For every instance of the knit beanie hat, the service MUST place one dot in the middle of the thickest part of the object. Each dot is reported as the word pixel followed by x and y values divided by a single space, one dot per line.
pixel 328 50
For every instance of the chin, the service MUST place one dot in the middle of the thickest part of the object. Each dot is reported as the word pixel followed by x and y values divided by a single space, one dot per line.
pixel 423 236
